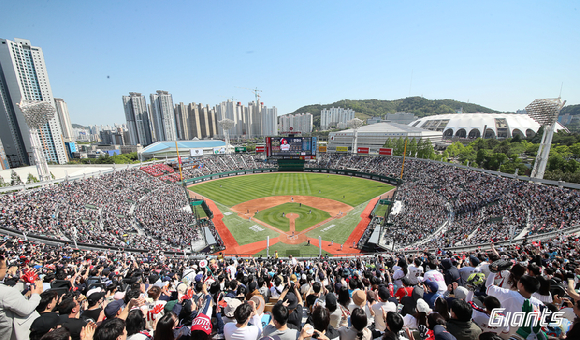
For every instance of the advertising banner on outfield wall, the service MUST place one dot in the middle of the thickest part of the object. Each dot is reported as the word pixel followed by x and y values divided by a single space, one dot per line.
pixel 342 149
pixel 322 148
pixel 362 150
pixel 219 151
pixel 260 149
pixel 386 151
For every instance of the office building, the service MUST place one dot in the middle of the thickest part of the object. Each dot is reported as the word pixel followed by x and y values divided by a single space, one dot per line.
pixel 64 120
pixel 23 76
pixel 331 118
pixel 137 119
pixel 163 116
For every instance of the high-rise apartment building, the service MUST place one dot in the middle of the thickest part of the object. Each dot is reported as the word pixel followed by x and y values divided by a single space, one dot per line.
pixel 251 121
pixel 300 122
pixel 163 116
pixel 137 119
pixel 181 121
pixel 23 75
pixel 3 160
pixel 64 120
pixel 269 121
pixel 330 118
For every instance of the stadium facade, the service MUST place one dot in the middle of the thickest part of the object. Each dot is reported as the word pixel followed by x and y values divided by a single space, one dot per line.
pixel 186 148
pixel 476 125
pixel 374 136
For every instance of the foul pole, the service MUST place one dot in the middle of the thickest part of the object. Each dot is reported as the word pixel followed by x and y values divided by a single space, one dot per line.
pixel 404 155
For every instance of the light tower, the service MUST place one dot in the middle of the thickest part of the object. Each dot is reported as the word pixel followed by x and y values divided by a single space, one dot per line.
pixel 355 124
pixel 37 114
pixel 226 124
pixel 545 112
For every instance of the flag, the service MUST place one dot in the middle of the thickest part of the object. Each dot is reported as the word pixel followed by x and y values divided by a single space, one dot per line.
pixel 179 160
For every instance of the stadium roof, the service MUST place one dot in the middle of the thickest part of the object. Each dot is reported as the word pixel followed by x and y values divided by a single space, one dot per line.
pixel 374 136
pixel 168 148
pixel 472 125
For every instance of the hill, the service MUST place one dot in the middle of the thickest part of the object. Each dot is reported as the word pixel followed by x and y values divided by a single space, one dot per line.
pixel 421 107
pixel 571 110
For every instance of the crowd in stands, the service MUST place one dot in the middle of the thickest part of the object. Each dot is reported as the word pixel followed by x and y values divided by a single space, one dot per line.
pixel 479 207
pixel 442 204
pixel 516 292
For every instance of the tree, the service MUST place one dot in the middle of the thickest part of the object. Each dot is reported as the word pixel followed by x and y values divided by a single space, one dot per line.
pixel 399 147
pixel 2 182
pixel 388 143
pixel 15 179
pixel 31 179
pixel 412 148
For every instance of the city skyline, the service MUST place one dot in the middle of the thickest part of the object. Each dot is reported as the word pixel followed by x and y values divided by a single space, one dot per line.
pixel 496 54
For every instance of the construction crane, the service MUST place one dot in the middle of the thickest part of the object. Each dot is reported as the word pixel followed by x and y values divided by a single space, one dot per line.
pixel 255 91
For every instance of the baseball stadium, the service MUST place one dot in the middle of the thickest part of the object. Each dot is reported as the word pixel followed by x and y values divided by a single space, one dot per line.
pixel 268 204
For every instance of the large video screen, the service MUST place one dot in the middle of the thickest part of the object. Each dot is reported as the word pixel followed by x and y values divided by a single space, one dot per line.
pixel 291 147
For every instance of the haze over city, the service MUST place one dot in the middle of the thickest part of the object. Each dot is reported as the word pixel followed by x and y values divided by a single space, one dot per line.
pixel 499 55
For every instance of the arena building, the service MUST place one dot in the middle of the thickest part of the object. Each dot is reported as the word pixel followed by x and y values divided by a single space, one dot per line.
pixel 186 148
pixel 476 125
pixel 374 136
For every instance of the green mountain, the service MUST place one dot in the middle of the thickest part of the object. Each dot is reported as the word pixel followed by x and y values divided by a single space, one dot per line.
pixel 571 110
pixel 421 107
pixel 79 126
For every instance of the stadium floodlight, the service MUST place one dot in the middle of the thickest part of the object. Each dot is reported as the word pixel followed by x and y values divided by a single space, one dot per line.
pixel 355 124
pixel 37 114
pixel 226 124
pixel 545 112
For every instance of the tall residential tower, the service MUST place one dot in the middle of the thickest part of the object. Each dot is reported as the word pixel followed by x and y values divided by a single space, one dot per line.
pixel 23 76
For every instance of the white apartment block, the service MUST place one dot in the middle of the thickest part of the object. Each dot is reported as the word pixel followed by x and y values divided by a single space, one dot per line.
pixel 64 120
pixel 330 118
pixel 300 122
pixel 163 116
pixel 23 75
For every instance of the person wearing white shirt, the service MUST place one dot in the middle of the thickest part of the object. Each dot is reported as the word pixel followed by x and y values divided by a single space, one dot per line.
pixel 240 330
pixel 513 301
pixel 277 288
pixel 382 305
pixel 435 276
pixel 414 272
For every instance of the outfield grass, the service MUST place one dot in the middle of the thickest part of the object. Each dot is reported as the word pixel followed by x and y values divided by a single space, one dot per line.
pixel 273 216
pixel 234 190
pixel 244 231
pixel 338 230
pixel 295 250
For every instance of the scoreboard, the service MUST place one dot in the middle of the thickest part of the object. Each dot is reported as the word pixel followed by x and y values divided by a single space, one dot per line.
pixel 291 147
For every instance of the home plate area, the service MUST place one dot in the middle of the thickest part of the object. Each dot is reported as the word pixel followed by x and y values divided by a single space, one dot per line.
pixel 291 216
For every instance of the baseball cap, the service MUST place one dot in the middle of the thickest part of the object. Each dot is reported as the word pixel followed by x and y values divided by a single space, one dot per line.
pixel 95 297
pixel 422 306
pixel 113 307
pixel 201 323
pixel 432 285
pixel 233 303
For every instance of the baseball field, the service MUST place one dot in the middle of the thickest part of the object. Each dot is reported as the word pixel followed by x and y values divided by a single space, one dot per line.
pixel 292 209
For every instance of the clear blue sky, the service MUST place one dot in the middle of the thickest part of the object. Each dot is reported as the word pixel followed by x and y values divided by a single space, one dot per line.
pixel 499 54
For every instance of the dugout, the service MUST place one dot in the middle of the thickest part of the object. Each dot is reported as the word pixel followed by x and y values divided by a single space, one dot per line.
pixel 201 203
